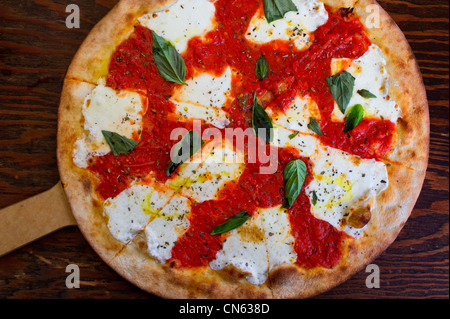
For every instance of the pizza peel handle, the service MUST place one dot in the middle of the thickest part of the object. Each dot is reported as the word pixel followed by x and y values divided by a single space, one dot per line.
pixel 33 218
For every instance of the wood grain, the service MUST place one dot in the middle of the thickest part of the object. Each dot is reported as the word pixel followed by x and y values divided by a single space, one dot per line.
pixel 35 51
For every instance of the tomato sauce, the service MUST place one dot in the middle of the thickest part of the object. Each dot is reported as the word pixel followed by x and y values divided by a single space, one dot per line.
pixel 291 71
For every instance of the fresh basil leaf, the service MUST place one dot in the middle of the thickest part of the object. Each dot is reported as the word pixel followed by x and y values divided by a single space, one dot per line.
pixel 119 144
pixel 183 150
pixel 294 177
pixel 291 136
pixel 276 9
pixel 169 62
pixel 355 115
pixel 285 204
pixel 314 198
pixel 232 223
pixel 261 121
pixel 367 94
pixel 315 126
pixel 341 86
pixel 262 68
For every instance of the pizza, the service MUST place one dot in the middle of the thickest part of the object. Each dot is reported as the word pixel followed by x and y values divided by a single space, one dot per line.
pixel 242 149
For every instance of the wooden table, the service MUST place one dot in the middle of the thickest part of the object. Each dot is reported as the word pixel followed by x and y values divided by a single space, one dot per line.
pixel 36 49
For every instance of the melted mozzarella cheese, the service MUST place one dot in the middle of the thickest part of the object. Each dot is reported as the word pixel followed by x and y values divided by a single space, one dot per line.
pixel 129 212
pixel 187 112
pixel 203 98
pixel 370 74
pixel 295 26
pixel 343 182
pixel 297 115
pixel 245 249
pixel 220 165
pixel 306 144
pixel 205 89
pixel 105 109
pixel 159 214
pixel 182 21
pixel 170 223
pixel 263 243
pixel 278 237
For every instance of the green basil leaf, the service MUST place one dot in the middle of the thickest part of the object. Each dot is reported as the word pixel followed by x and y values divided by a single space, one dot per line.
pixel 355 115
pixel 276 9
pixel 341 86
pixel 232 223
pixel 367 94
pixel 294 176
pixel 262 68
pixel 291 136
pixel 119 144
pixel 260 120
pixel 315 126
pixel 285 204
pixel 314 198
pixel 169 62
pixel 183 150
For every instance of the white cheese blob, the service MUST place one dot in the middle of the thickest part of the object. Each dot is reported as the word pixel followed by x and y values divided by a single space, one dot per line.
pixel 187 112
pixel 129 212
pixel 160 214
pixel 182 21
pixel 220 165
pixel 343 182
pixel 370 74
pixel 263 243
pixel 106 109
pixel 245 249
pixel 205 89
pixel 278 236
pixel 168 224
pixel 306 144
pixel 203 98
pixel 295 26
pixel 297 115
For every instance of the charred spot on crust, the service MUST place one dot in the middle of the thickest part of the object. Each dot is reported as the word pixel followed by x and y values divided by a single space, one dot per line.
pixel 209 288
pixel 97 203
pixel 359 217
pixel 345 12
pixel 86 182
pixel 142 245
pixel 283 276
pixel 403 125
pixel 129 18
pixel 231 274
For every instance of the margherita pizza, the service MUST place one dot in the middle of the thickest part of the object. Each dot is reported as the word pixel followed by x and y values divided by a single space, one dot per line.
pixel 242 149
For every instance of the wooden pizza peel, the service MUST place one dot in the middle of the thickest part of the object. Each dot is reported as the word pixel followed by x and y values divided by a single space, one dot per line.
pixel 33 218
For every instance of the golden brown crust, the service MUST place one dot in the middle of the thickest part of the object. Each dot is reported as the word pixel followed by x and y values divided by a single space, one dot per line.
pixel 168 281
pixel 79 184
pixel 406 168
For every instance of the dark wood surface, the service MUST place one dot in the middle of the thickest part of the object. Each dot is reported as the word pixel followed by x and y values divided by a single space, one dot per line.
pixel 35 50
